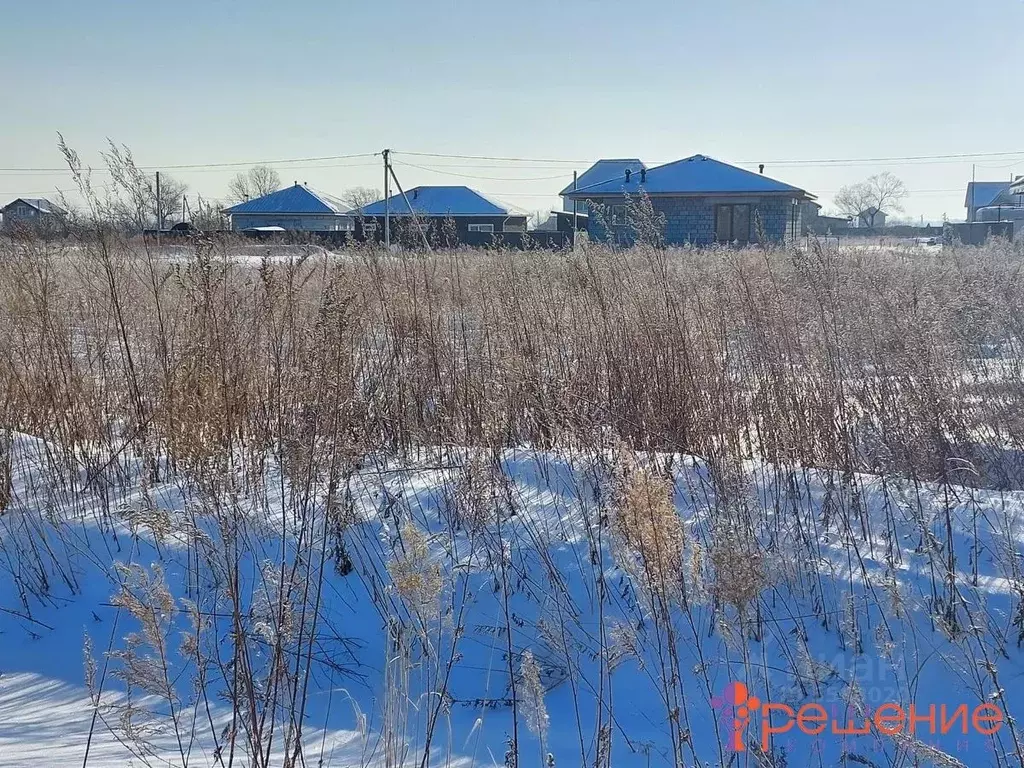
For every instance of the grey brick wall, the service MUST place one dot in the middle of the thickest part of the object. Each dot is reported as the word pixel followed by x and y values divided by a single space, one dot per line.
pixel 304 223
pixel 691 220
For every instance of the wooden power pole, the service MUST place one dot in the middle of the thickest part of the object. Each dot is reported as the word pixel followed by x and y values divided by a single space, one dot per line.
pixel 387 199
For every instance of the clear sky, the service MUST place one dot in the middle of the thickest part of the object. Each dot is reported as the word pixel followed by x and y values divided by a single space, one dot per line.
pixel 745 81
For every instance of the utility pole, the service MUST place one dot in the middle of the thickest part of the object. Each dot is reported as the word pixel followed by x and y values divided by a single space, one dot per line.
pixel 415 219
pixel 575 215
pixel 387 201
pixel 158 217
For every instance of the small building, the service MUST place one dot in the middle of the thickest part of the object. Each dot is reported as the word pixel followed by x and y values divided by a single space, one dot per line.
pixel 702 200
pixel 872 218
pixel 990 194
pixel 564 221
pixel 293 209
pixel 815 223
pixel 33 212
pixel 601 171
pixel 473 218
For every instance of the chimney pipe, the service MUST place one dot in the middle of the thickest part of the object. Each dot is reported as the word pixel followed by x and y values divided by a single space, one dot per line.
pixel 628 173
pixel 643 175
pixel 760 168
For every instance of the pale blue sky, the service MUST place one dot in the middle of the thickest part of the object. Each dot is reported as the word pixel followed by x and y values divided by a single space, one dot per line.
pixel 212 81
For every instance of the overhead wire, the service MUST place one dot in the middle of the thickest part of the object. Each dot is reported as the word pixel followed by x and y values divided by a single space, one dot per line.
pixel 210 166
pixel 435 169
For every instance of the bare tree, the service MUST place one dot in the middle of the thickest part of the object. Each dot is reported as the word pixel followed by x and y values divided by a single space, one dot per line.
pixel 171 193
pixel 133 200
pixel 358 197
pixel 881 193
pixel 206 216
pixel 258 181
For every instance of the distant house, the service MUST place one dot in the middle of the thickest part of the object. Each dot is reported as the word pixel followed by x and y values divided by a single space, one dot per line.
pixel 989 194
pixel 703 201
pixel 601 171
pixel 296 208
pixel 475 218
pixel 871 217
pixel 30 212
pixel 816 223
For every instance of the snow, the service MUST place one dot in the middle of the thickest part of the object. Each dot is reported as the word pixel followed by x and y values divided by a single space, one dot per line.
pixel 865 584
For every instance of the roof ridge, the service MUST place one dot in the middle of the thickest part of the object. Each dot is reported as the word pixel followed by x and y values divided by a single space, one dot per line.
pixel 718 177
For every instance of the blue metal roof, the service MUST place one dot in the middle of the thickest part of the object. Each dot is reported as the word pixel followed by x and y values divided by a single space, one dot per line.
pixel 605 170
pixel 984 193
pixel 438 201
pixel 697 175
pixel 296 199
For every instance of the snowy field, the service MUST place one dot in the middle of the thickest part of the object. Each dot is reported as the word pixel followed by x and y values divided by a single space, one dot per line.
pixel 843 615
pixel 275 509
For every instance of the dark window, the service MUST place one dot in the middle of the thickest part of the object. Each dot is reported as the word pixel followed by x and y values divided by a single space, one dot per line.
pixel 732 223
pixel 618 215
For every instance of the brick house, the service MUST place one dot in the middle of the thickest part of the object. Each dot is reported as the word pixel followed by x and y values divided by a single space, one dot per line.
pixel 982 195
pixel 703 201
pixel 294 209
pixel 474 218
pixel 601 171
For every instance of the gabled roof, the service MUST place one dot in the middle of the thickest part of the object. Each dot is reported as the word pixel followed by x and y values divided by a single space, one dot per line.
pixel 41 204
pixel 605 170
pixel 984 193
pixel 296 199
pixel 697 175
pixel 437 201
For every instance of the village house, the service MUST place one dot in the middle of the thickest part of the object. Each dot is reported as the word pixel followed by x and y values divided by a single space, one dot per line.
pixel 702 200
pixel 295 208
pixel 871 217
pixel 35 212
pixel 473 218
pixel 989 200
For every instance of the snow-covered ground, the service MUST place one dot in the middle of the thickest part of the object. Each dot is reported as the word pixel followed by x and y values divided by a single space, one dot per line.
pixel 853 585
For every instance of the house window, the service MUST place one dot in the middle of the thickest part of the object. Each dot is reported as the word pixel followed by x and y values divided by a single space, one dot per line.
pixel 369 226
pixel 481 228
pixel 513 227
pixel 618 215
pixel 732 223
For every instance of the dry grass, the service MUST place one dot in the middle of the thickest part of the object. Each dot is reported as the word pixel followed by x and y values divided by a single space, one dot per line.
pixel 834 358
pixel 213 360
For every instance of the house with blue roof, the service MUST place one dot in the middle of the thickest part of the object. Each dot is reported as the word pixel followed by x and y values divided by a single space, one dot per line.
pixel 989 194
pixel 295 208
pixel 601 171
pixel 472 217
pixel 702 200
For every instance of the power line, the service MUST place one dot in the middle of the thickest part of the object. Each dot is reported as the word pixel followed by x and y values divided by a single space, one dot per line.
pixel 547 162
pixel 436 169
pixel 491 157
pixel 941 158
pixel 902 158
pixel 197 166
